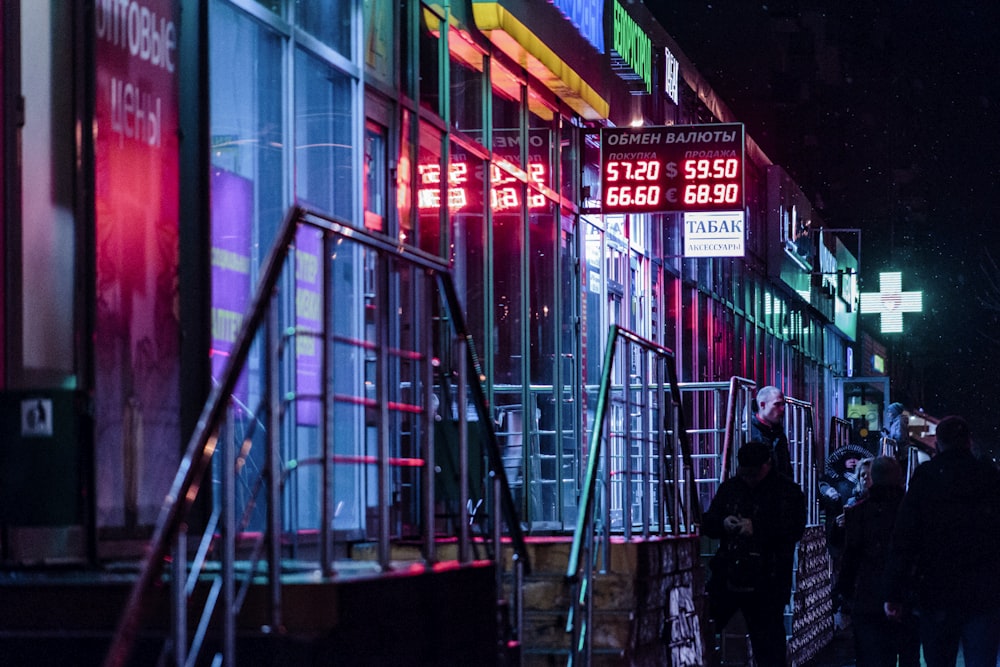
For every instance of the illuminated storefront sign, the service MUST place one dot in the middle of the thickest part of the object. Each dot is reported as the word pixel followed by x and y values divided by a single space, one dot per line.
pixel 891 302
pixel 514 28
pixel 671 76
pixel 713 234
pixel 587 16
pixel 632 55
pixel 697 168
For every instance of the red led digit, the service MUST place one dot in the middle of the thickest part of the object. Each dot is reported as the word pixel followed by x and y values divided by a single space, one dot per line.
pixel 456 198
pixel 458 173
pixel 732 193
pixel 536 172
pixel 612 172
pixel 429 173
pixel 653 194
pixel 611 197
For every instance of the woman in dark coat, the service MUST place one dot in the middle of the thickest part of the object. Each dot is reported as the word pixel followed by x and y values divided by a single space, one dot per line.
pixel 863 583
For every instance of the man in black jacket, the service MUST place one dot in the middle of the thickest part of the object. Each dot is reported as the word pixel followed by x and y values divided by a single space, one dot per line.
pixel 946 549
pixel 758 516
pixel 768 426
pixel 878 641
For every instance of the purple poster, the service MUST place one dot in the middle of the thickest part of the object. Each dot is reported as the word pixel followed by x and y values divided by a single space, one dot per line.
pixel 308 323
pixel 232 202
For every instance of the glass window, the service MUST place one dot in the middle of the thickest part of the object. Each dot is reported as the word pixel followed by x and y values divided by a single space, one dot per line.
pixel 567 160
pixel 506 115
pixel 508 255
pixel 375 177
pixel 541 142
pixel 590 170
pixel 380 38
pixel 405 170
pixel 430 65
pixel 506 191
pixel 466 87
pixel 431 190
pixel 247 135
pixel 275 6
pixel 327 20
pixel 468 233
pixel 323 142
pixel 542 265
pixel 592 322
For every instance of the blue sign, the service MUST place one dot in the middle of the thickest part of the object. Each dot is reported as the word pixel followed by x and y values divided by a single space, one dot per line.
pixel 587 16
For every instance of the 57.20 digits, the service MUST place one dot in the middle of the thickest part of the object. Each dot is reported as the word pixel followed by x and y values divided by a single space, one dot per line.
pixel 632 171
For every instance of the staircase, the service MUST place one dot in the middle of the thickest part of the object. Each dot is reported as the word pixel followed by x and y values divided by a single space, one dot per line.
pixel 646 608
pixel 430 614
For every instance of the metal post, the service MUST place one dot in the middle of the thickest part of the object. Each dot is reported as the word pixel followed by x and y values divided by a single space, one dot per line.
pixel 326 414
pixel 427 433
pixel 464 546
pixel 228 475
pixel 626 439
pixel 382 406
pixel 273 477
pixel 179 576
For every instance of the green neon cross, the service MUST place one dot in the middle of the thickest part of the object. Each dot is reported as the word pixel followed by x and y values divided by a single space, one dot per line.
pixel 891 302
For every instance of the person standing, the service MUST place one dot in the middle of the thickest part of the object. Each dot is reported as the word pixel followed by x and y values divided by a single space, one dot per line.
pixel 945 549
pixel 758 516
pixel 768 426
pixel 862 584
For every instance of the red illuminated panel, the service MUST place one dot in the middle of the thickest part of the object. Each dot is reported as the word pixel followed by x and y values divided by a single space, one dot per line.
pixel 672 168
pixel 505 190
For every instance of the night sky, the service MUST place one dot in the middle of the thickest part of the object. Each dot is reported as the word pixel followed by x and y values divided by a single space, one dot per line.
pixel 885 113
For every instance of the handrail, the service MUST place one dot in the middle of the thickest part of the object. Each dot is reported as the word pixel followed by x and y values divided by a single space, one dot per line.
pixel 176 510
pixel 800 427
pixel 728 450
pixel 669 467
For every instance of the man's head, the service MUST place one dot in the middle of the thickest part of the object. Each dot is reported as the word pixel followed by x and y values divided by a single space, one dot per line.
pixel 953 433
pixel 755 461
pixel 771 405
pixel 885 471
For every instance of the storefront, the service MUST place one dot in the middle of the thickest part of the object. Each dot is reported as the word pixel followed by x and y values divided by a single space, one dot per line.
pixel 467 130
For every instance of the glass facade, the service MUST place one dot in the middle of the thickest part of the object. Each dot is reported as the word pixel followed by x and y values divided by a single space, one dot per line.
pixel 459 151
pixel 286 129
pixel 404 120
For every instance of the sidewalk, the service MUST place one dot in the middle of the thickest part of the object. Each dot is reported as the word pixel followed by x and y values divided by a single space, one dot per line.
pixel 840 653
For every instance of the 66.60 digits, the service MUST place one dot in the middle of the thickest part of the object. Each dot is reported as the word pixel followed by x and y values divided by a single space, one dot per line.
pixel 627 195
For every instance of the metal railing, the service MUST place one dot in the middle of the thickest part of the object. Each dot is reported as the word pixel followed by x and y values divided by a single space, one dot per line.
pixel 639 477
pixel 840 434
pixel 718 412
pixel 325 436
pixel 799 427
